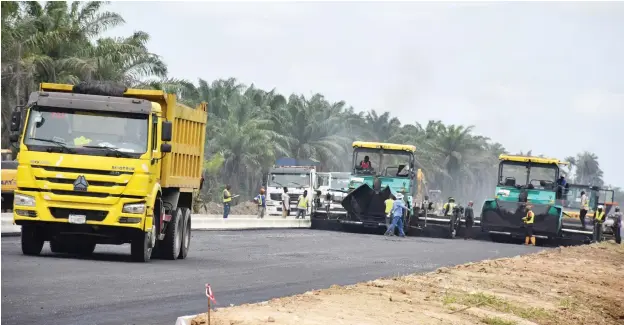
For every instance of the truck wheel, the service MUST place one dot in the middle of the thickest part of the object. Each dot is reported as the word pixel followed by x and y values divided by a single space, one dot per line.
pixel 139 248
pixel 186 233
pixel 173 240
pixel 32 243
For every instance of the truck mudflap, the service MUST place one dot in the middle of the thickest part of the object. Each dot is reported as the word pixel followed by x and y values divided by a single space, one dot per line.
pixel 506 217
pixel 366 206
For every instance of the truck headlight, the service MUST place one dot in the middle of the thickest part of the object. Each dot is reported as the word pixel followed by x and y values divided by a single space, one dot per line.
pixel 23 200
pixel 134 208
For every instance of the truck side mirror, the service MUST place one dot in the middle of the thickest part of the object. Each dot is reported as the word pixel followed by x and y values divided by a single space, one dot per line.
pixel 167 131
pixel 16 119
pixel 165 147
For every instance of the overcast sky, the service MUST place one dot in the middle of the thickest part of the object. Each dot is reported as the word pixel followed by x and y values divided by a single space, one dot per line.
pixel 547 77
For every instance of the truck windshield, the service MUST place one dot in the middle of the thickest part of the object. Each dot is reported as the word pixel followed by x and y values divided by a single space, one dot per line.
pixel 538 176
pixel 77 129
pixel 290 180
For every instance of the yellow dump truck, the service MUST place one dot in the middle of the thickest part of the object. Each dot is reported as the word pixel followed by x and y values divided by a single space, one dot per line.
pixel 103 164
pixel 9 179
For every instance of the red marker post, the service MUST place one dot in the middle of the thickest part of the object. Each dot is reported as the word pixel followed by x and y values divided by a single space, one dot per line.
pixel 210 297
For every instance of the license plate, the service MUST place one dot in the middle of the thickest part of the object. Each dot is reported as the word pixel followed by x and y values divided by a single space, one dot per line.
pixel 77 218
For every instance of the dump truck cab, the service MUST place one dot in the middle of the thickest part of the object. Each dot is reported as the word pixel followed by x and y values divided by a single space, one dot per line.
pixel 379 170
pixel 522 180
pixel 330 190
pixel 103 164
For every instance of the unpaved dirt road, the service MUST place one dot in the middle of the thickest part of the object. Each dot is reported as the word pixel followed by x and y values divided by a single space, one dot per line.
pixel 574 285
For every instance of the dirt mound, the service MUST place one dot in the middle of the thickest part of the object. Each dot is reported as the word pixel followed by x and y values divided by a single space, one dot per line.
pixel 574 285
pixel 244 208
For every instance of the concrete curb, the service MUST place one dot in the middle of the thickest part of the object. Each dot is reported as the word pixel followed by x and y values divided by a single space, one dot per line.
pixel 201 222
pixel 185 320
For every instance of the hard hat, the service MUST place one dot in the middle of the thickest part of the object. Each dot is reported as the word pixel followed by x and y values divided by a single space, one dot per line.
pixel 600 207
pixel 262 190
pixel 399 196
pixel 617 209
pixel 470 203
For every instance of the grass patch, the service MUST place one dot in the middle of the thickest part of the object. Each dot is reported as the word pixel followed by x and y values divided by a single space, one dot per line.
pixel 480 299
pixel 497 321
pixel 566 303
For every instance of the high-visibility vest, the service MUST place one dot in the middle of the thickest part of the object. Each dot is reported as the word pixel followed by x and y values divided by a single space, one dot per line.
pixel 599 215
pixel 227 197
pixel 302 203
pixel 530 218
pixel 389 203
pixel 450 206
pixel 260 198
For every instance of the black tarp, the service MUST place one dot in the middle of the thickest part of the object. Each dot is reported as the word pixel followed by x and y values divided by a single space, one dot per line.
pixel 508 216
pixel 364 203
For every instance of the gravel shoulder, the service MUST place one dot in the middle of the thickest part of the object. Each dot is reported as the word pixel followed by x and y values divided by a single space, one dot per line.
pixel 570 285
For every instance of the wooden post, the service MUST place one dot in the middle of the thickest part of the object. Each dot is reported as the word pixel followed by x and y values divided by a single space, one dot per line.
pixel 208 314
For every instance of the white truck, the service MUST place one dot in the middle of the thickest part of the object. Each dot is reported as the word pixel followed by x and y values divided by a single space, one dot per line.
pixel 297 179
pixel 331 188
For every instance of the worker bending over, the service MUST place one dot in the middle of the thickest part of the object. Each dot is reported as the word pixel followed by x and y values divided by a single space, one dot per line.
pixel 598 220
pixel 398 208
pixel 528 220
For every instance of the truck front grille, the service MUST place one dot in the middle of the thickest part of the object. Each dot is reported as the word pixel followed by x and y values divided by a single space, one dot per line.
pixel 92 215
pixel 71 181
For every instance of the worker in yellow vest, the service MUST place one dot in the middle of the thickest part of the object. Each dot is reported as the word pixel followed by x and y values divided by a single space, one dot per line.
pixel 389 203
pixel 302 205
pixel 599 217
pixel 227 199
pixel 528 220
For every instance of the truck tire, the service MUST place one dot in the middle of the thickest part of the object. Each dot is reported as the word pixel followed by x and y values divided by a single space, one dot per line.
pixel 32 242
pixel 139 248
pixel 170 246
pixel 186 233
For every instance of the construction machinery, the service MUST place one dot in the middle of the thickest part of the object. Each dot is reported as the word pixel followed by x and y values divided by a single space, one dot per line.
pixel 571 204
pixel 526 180
pixel 296 175
pixel 379 170
pixel 330 189
pixel 9 179
pixel 104 164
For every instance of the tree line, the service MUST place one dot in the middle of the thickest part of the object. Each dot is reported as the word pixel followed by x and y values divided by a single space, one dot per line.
pixel 248 127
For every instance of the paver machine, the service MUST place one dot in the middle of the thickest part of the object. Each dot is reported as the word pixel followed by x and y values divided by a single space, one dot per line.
pixel 379 170
pixel 523 180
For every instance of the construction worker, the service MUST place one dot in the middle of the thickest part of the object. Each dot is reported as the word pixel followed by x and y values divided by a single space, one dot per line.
pixel 285 203
pixel 599 216
pixel 469 215
pixel 260 199
pixel 302 205
pixel 448 206
pixel 584 208
pixel 617 225
pixel 528 220
pixel 389 203
pixel 227 199
pixel 398 209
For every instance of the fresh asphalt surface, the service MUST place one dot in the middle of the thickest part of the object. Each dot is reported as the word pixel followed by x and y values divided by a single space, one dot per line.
pixel 242 267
